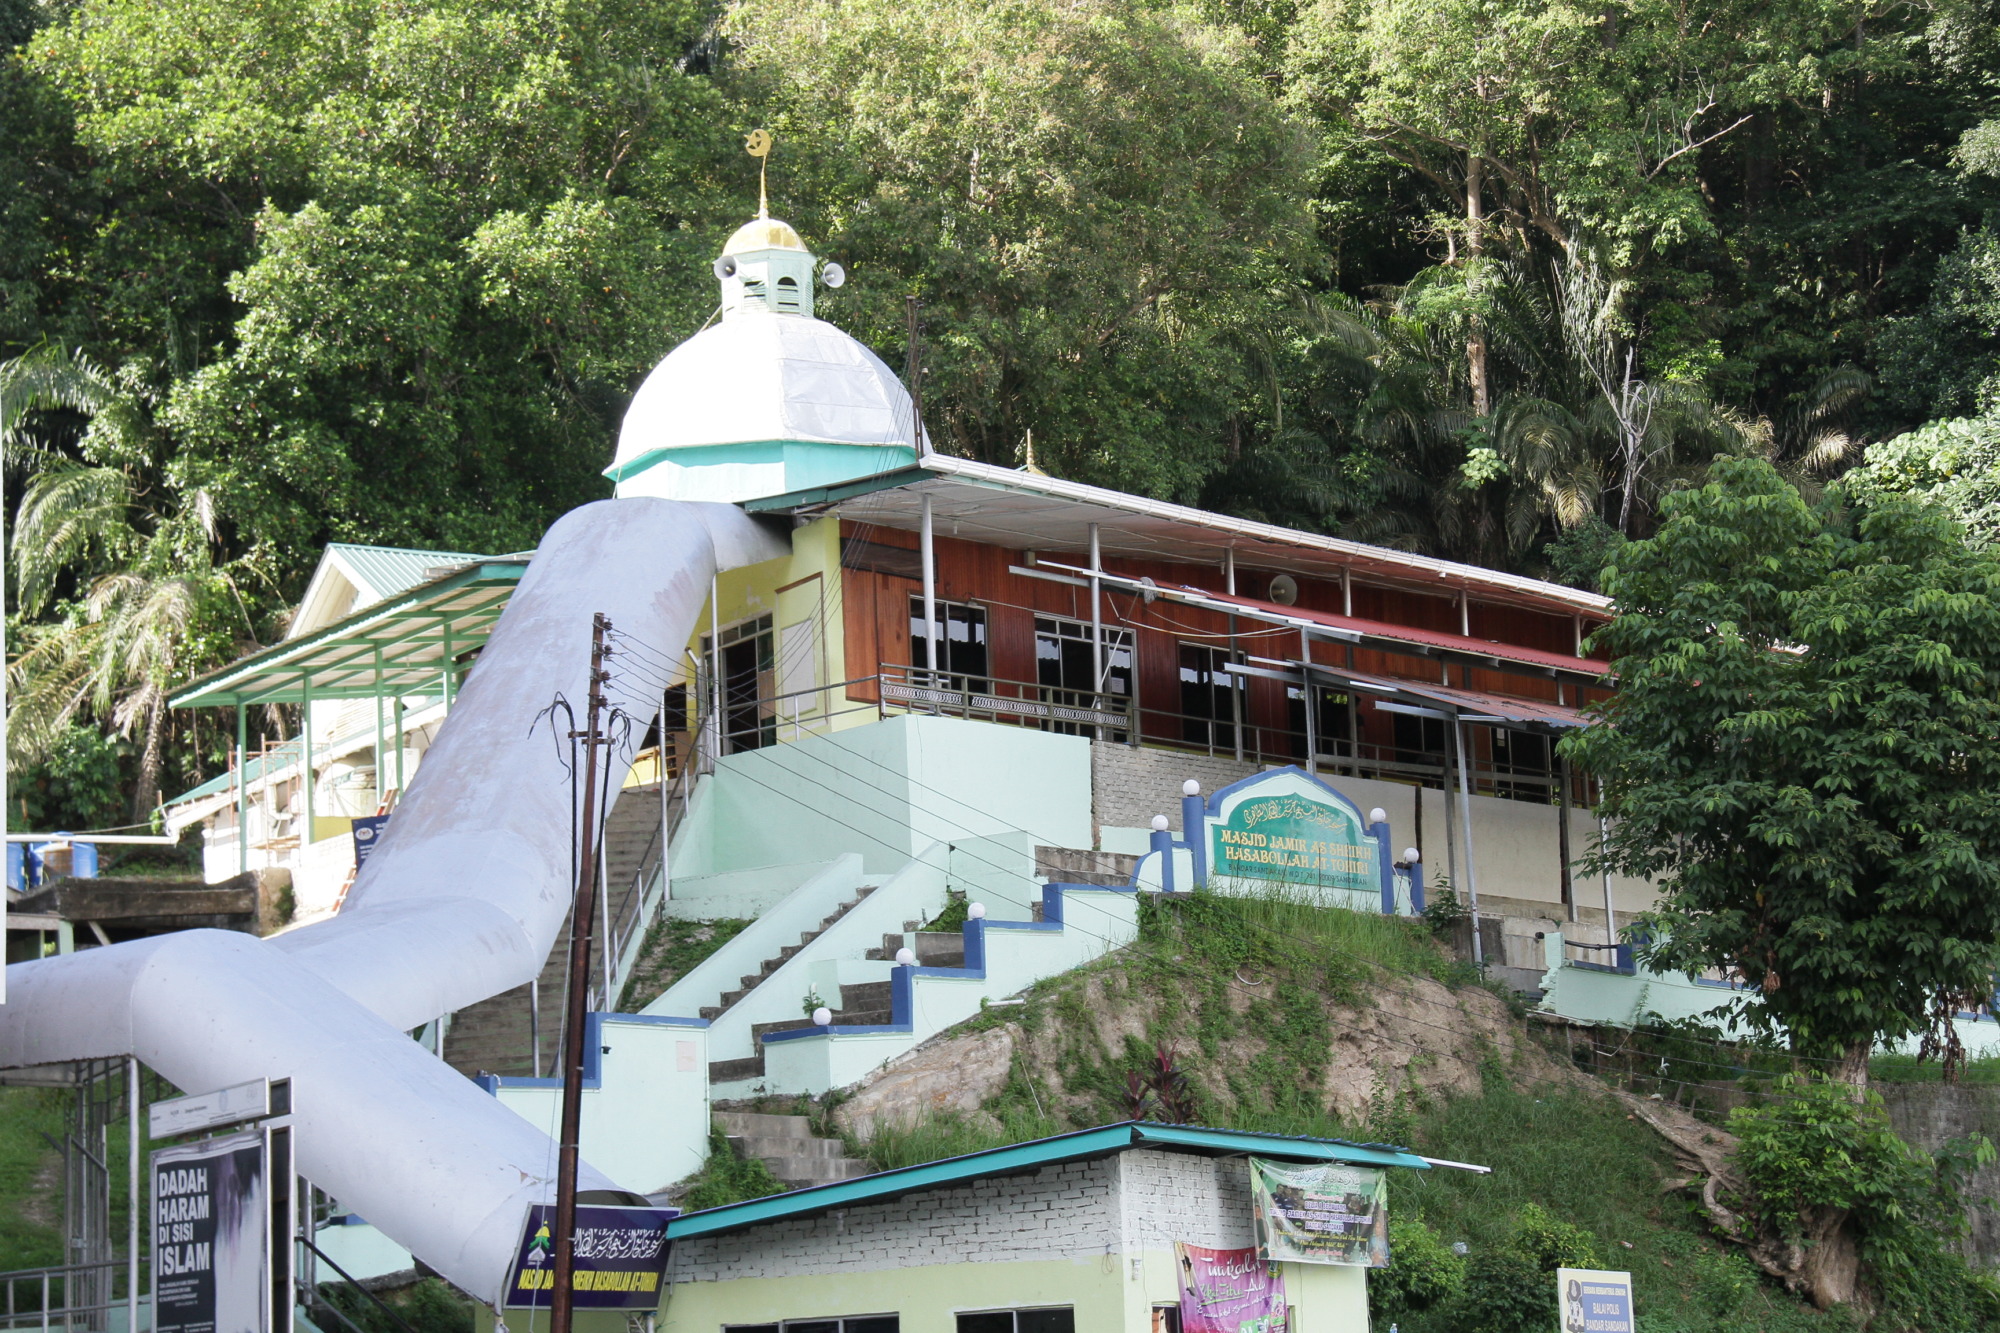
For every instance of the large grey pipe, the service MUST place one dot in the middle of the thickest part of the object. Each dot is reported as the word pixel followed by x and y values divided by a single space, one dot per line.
pixel 463 900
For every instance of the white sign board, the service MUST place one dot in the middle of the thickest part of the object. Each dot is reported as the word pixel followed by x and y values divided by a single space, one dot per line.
pixel 1594 1301
pixel 209 1110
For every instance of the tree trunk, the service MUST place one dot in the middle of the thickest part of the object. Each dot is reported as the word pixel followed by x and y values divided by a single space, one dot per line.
pixel 1830 1269
pixel 1475 250
pixel 146 793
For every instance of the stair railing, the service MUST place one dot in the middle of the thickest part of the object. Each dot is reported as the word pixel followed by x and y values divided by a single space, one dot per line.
pixel 649 885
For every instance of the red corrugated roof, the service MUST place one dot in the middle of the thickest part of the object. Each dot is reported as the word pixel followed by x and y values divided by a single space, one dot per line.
pixel 1507 707
pixel 1382 633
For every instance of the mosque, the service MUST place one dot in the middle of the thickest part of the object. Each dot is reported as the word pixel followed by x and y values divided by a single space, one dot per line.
pixel 930 726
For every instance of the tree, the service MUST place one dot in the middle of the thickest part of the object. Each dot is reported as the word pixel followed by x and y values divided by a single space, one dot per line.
pixel 125 562
pixel 1955 464
pixel 1101 209
pixel 1804 755
pixel 390 271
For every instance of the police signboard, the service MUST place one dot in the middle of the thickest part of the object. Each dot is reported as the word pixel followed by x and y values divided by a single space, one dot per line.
pixel 368 831
pixel 1594 1301
pixel 621 1255
pixel 211 1236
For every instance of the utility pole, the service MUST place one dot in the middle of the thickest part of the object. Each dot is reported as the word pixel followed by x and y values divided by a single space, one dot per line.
pixel 913 371
pixel 582 914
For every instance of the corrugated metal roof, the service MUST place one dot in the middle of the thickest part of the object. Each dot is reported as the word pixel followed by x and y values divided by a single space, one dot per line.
pixel 1023 1157
pixel 1000 506
pixel 1381 634
pixel 404 644
pixel 388 570
pixel 279 757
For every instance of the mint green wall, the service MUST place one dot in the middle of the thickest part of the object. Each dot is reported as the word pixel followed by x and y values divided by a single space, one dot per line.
pixel 1111 1293
pixel 887 790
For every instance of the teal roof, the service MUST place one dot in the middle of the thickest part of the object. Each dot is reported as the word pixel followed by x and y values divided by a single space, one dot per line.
pixel 404 644
pixel 1082 1145
pixel 388 570
pixel 274 760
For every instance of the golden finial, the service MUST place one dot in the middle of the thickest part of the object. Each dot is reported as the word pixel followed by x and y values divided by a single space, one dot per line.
pixel 1029 466
pixel 758 145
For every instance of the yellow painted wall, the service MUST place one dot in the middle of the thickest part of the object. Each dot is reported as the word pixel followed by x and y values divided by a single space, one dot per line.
pixel 1112 1293
pixel 752 591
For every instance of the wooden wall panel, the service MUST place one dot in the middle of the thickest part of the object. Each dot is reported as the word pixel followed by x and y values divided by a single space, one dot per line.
pixel 878 629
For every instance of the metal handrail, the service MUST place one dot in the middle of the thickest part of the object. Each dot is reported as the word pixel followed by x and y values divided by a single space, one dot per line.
pixel 45 1315
pixel 311 1290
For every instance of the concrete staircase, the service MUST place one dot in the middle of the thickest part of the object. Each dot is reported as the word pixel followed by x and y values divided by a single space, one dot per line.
pixel 1079 865
pixel 786 1144
pixel 493 1036
pixel 859 1000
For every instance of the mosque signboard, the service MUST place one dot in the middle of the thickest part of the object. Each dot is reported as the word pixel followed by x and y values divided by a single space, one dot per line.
pixel 619 1256
pixel 1285 829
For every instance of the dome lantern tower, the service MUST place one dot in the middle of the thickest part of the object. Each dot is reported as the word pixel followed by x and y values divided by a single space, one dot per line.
pixel 765 266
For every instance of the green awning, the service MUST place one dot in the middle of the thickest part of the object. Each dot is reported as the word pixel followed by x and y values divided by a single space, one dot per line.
pixel 1081 1145
pixel 404 645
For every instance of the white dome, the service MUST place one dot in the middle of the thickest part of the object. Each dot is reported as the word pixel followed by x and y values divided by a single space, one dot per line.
pixel 759 376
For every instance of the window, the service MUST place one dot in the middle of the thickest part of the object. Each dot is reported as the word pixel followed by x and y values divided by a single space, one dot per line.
pixel 849 1323
pixel 1521 765
pixel 1419 740
pixel 1063 661
pixel 1166 1319
pixel 962 640
pixel 748 656
pixel 1059 1320
pixel 1211 697
pixel 788 294
pixel 1329 720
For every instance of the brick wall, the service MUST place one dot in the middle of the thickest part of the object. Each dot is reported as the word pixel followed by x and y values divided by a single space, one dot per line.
pixel 1170 1196
pixel 1076 1209
pixel 1058 1212
pixel 1128 787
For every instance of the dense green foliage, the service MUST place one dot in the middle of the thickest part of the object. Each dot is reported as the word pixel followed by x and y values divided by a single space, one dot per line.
pixel 1575 1176
pixel 1488 280
pixel 1814 1151
pixel 1802 753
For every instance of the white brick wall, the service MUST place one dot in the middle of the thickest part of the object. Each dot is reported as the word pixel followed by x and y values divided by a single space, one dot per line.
pixel 1137 1200
pixel 1170 1196
pixel 1056 1213
pixel 1128 787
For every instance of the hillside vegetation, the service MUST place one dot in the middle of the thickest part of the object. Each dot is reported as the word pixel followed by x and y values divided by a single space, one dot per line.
pixel 1265 1014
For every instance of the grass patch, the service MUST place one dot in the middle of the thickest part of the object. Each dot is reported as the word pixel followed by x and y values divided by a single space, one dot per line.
pixel 673 948
pixel 1909 1069
pixel 31 1176
pixel 727 1178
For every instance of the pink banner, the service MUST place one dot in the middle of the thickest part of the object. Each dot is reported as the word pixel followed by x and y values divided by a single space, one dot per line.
pixel 1229 1291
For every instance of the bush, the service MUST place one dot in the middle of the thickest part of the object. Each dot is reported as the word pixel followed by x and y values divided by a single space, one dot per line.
pixel 75 786
pixel 1814 1147
pixel 1506 1292
pixel 1422 1273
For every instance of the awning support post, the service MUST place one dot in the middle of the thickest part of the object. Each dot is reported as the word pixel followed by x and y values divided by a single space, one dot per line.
pixel 928 557
pixel 1096 627
pixel 1235 685
pixel 1471 874
pixel 381 770
pixel 1562 837
pixel 242 792
pixel 306 760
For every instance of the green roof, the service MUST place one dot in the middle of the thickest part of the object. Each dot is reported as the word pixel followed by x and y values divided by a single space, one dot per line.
pixel 404 644
pixel 1082 1145
pixel 388 570
pixel 274 760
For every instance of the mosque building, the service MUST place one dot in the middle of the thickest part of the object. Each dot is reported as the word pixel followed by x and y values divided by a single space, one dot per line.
pixel 947 687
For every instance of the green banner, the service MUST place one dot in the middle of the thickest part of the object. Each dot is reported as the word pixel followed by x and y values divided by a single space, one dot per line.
pixel 1328 1213
pixel 1295 838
